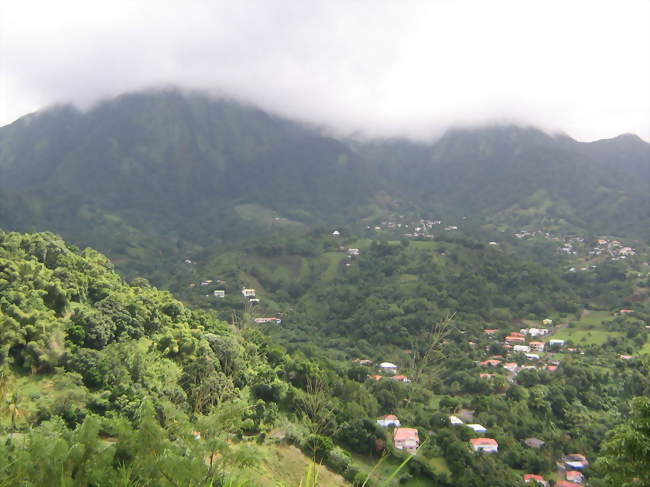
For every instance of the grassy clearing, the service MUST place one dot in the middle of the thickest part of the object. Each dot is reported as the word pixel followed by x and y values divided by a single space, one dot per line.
pixel 286 465
pixel 333 260
pixel 589 330
pixel 389 465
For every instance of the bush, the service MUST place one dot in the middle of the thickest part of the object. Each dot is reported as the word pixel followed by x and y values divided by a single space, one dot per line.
pixel 318 446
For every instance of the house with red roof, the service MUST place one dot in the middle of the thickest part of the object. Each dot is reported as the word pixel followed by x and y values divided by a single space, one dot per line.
pixel 487 445
pixel 491 363
pixel 575 476
pixel 538 479
pixel 515 339
pixel 406 439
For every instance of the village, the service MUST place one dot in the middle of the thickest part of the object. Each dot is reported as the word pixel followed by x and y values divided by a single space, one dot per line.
pixel 528 348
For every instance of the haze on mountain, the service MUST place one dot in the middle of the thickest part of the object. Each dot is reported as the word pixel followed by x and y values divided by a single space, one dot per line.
pixel 168 173
pixel 377 68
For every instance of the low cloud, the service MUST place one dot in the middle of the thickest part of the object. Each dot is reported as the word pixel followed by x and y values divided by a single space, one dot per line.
pixel 374 67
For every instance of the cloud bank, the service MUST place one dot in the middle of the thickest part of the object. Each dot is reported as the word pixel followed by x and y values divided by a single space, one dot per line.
pixel 376 67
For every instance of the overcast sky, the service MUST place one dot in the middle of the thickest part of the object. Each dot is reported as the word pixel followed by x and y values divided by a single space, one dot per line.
pixel 395 67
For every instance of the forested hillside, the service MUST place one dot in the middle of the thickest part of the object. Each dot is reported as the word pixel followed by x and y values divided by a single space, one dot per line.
pixel 118 383
pixel 152 177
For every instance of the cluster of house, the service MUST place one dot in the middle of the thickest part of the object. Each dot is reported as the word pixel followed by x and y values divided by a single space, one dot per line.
pixel 570 467
pixel 250 294
pixel 387 368
pixel 612 248
pixel 517 342
pixel 420 229
pixel 482 444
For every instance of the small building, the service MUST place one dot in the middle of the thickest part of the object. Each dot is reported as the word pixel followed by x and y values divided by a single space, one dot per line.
pixel 248 293
pixel 490 363
pixel 556 343
pixel 551 368
pixel 455 421
pixel 575 476
pixel 401 378
pixel 521 348
pixel 487 376
pixel 490 331
pixel 487 445
pixel 534 443
pixel 532 356
pixel 362 361
pixel 537 346
pixel 336 233
pixel 575 461
pixel 388 367
pixel 406 439
pixel 261 321
pixel 219 293
pixel 538 479
pixel 353 252
pixel 515 339
pixel 375 377
pixel 511 366
pixel 547 322
pixel 625 357
pixel 253 300
pixel 535 332
pixel 477 428
pixel 389 421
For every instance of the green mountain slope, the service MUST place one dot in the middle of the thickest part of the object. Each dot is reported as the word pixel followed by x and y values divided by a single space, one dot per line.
pixel 514 177
pixel 152 178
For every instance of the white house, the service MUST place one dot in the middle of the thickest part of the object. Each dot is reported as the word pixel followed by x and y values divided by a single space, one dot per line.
pixel 390 420
pixel 353 252
pixel 248 293
pixel 556 343
pixel 535 332
pixel 262 321
pixel 388 367
pixel 477 428
pixel 219 293
pixel 521 348
pixel 487 445
pixel 336 233
pixel 455 420
pixel 532 356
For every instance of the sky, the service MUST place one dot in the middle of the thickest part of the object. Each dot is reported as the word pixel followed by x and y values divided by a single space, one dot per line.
pixel 368 67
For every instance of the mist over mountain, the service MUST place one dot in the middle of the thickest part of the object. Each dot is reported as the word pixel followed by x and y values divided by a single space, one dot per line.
pixel 165 170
